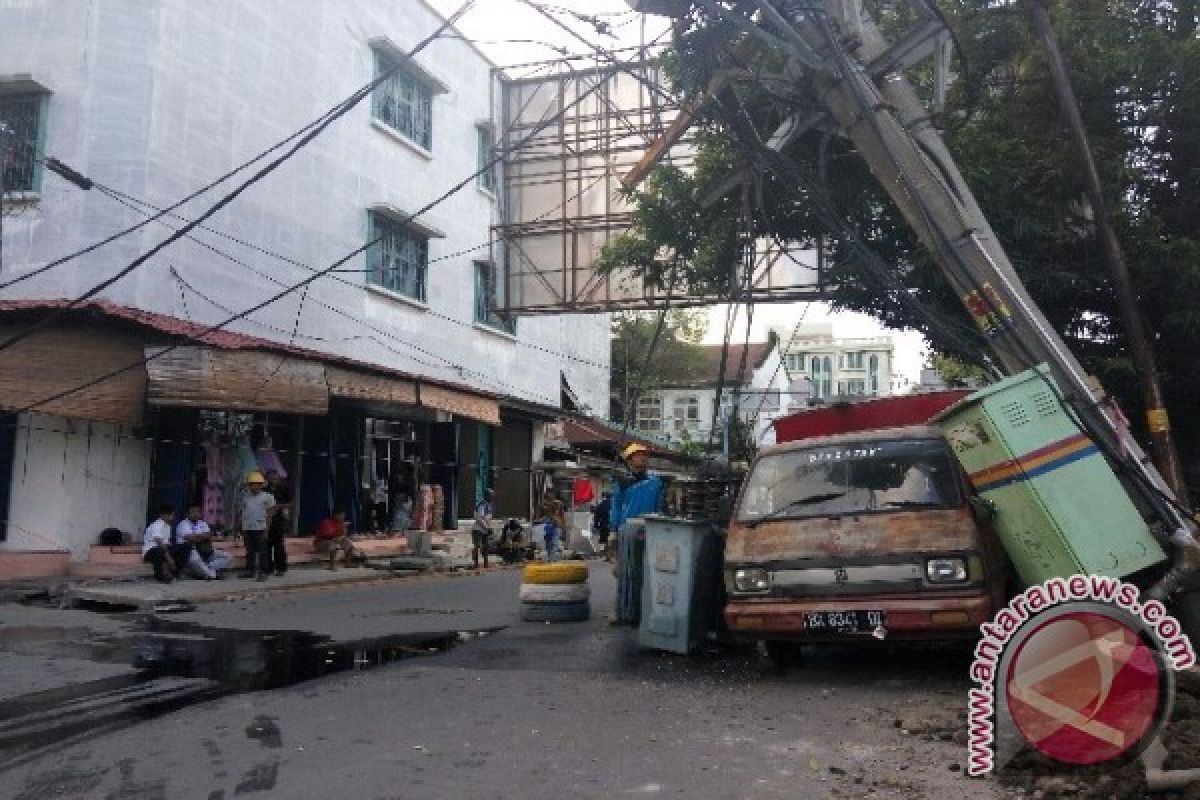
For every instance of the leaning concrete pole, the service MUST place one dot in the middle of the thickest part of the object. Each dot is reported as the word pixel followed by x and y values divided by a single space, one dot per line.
pixel 889 128
pixel 1165 454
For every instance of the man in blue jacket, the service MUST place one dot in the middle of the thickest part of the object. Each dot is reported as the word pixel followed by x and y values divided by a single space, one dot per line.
pixel 637 493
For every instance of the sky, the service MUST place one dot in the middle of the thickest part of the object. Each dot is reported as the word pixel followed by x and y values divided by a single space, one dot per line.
pixel 510 33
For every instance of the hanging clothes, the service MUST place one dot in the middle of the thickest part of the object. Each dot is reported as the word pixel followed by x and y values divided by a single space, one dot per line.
pixel 214 487
pixel 582 490
pixel 269 461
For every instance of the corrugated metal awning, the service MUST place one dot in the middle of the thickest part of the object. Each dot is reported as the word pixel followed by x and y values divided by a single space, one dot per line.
pixel 57 359
pixel 473 406
pixel 363 386
pixel 204 377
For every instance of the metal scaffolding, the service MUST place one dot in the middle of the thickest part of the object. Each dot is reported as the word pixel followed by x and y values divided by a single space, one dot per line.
pixel 563 201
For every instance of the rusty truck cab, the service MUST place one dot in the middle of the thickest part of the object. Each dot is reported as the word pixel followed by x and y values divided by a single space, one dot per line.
pixel 867 534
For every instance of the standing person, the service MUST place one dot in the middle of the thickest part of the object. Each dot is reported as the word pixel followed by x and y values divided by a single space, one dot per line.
pixel 255 510
pixel 481 531
pixel 280 525
pixel 204 561
pixel 277 530
pixel 156 544
pixel 600 514
pixel 637 493
pixel 554 521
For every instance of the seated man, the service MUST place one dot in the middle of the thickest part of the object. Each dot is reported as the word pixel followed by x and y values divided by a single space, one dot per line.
pixel 194 547
pixel 331 536
pixel 156 543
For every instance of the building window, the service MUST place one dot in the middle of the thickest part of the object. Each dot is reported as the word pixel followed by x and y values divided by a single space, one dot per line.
pixel 795 362
pixel 686 413
pixel 485 153
pixel 854 360
pixel 404 103
pixel 873 374
pixel 821 374
pixel 856 387
pixel 398 259
pixel 21 129
pixel 649 413
pixel 485 300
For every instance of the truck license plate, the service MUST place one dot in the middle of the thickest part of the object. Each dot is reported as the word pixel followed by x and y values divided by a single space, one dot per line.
pixel 843 621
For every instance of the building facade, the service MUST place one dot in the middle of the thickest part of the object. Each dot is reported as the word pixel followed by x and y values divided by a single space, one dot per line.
pixel 837 367
pixel 683 408
pixel 396 362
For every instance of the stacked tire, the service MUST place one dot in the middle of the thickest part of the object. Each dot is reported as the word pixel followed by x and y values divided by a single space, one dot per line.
pixel 556 592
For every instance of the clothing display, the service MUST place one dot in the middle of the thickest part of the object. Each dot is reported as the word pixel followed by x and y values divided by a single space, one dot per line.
pixel 268 460
pixel 582 490
pixel 213 497
pixel 422 508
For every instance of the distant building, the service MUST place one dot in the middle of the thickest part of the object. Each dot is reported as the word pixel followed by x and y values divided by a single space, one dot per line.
pixel 836 367
pixel 755 382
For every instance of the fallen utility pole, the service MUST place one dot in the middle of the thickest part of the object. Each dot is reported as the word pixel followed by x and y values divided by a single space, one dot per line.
pixel 1165 455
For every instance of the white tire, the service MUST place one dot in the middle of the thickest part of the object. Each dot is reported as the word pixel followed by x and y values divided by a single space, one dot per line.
pixel 540 593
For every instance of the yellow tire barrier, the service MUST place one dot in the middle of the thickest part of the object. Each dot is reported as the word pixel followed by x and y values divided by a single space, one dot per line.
pixel 558 572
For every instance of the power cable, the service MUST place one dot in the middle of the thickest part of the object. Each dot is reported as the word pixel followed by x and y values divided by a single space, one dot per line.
pixel 311 278
pixel 342 109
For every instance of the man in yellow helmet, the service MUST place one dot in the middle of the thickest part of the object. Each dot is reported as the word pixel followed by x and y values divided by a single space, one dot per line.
pixel 637 493
pixel 254 513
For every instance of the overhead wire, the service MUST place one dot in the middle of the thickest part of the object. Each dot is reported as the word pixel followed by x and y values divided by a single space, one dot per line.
pixel 341 110
pixel 582 96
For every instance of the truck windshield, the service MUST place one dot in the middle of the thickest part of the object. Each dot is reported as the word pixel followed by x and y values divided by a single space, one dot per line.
pixel 851 479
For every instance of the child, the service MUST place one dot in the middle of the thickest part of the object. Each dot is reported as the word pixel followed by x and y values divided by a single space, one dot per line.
pixel 331 537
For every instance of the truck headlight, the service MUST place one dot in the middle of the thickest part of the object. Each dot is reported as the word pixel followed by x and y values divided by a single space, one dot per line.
pixel 751 580
pixel 946 570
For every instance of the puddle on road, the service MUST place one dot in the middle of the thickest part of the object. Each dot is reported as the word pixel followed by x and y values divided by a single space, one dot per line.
pixel 254 660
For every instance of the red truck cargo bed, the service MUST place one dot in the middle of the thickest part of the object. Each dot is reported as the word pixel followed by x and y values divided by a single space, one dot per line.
pixel 866 415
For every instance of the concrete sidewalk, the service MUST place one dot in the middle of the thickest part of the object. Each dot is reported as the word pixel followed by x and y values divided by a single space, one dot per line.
pixel 149 595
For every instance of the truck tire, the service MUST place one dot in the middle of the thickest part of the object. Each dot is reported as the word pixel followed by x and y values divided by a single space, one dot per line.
pixel 782 655
pixel 558 572
pixel 541 593
pixel 555 612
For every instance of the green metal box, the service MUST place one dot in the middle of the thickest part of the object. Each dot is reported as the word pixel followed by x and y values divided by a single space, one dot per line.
pixel 1060 509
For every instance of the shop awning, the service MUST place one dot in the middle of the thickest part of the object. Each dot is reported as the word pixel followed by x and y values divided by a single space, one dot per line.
pixel 58 359
pixel 473 406
pixel 203 377
pixel 363 386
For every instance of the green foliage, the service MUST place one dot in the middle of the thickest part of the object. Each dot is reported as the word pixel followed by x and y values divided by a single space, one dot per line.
pixel 676 352
pixel 957 373
pixel 1134 65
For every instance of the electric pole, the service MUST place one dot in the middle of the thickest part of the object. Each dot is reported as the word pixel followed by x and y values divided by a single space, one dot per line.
pixel 1165 456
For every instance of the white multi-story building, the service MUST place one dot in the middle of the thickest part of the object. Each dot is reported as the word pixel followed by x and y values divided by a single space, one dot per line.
pixel 397 358
pixel 837 367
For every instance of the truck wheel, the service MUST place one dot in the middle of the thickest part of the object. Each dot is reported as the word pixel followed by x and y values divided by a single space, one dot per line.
pixel 782 655
pixel 554 592
pixel 555 612
pixel 558 572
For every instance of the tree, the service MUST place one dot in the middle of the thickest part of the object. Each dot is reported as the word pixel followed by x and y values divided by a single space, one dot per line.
pixel 956 373
pixel 635 368
pixel 1134 65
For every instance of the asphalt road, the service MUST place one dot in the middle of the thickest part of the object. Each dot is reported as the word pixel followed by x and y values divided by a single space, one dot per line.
pixel 532 711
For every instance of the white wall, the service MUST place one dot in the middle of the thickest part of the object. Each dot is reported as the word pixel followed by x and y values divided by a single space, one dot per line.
pixel 770 377
pixel 156 99
pixel 71 479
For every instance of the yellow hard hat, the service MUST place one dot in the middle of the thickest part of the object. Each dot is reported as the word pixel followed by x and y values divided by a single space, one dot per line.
pixel 254 476
pixel 633 447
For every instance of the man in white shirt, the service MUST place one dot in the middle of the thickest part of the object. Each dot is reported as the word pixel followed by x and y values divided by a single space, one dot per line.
pixel 193 547
pixel 155 544
pixel 255 510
